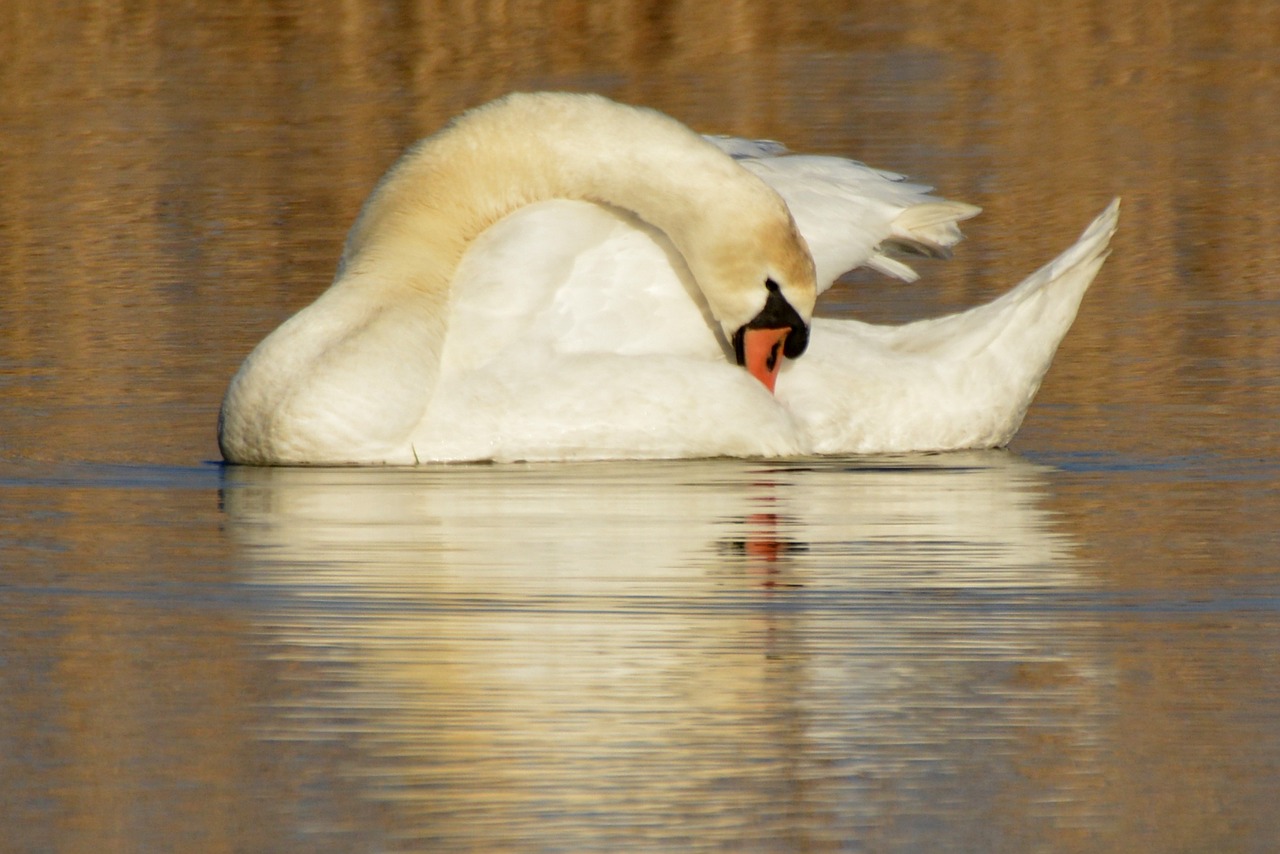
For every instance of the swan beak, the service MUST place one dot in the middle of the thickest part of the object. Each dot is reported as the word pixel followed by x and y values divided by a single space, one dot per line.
pixel 762 353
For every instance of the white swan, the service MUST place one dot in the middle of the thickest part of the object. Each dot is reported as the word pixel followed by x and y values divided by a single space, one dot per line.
pixel 558 276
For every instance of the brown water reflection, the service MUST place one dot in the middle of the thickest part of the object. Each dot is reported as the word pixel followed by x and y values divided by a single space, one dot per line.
pixel 707 655
pixel 1074 653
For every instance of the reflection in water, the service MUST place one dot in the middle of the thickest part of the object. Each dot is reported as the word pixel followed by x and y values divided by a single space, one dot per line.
pixel 761 656
pixel 721 653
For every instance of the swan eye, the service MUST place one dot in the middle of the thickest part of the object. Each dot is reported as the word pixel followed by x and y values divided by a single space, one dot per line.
pixel 771 286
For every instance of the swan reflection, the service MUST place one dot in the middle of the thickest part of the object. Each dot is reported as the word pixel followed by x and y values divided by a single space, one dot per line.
pixel 733 649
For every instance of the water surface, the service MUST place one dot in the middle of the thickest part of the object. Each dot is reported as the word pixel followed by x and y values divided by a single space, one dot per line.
pixel 1070 645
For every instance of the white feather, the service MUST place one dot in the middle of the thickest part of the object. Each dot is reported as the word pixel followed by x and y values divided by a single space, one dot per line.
pixel 571 329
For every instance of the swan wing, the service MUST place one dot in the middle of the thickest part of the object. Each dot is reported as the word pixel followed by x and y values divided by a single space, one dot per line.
pixel 574 277
pixel 576 332
pixel 853 215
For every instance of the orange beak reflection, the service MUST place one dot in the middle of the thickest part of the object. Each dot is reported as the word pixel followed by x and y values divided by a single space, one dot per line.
pixel 762 354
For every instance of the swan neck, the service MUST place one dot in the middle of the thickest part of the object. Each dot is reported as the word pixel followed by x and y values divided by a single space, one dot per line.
pixel 529 148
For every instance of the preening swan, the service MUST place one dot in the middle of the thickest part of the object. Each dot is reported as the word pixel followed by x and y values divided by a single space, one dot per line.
pixel 558 276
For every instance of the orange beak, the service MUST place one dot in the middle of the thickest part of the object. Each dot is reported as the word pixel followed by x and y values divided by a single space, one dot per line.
pixel 762 354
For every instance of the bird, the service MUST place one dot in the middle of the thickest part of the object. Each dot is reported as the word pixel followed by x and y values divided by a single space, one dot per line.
pixel 557 276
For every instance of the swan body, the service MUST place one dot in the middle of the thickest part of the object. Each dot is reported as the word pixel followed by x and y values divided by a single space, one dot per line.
pixel 561 277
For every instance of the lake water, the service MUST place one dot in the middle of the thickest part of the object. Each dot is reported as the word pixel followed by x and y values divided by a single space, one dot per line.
pixel 1072 645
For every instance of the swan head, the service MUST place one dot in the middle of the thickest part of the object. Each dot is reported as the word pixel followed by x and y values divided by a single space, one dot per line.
pixel 777 331
pixel 762 291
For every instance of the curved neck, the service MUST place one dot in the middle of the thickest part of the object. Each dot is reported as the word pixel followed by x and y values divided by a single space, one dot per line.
pixel 528 148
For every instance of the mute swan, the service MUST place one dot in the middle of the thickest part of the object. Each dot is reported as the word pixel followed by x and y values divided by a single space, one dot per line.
pixel 558 276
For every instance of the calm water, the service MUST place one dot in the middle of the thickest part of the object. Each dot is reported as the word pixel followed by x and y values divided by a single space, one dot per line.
pixel 1070 646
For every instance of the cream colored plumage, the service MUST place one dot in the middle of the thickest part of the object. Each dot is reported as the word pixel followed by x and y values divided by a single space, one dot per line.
pixel 558 276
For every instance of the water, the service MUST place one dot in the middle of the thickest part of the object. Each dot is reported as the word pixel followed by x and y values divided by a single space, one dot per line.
pixel 1071 645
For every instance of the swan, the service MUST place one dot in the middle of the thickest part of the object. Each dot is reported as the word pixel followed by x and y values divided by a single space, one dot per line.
pixel 559 276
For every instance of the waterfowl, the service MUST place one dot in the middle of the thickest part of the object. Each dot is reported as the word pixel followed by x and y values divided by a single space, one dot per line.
pixel 558 276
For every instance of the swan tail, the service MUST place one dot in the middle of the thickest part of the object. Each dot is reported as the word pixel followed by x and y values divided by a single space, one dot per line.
pixel 1042 307
pixel 1071 273
pixel 984 366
